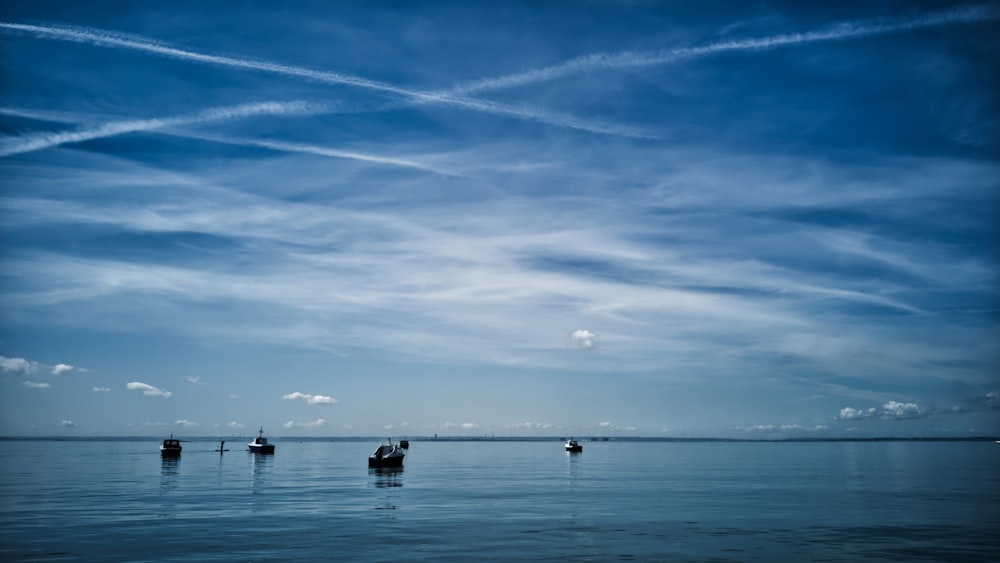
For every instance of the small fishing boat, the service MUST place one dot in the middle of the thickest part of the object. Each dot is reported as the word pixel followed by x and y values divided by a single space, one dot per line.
pixel 259 444
pixel 387 455
pixel 405 444
pixel 170 447
pixel 573 446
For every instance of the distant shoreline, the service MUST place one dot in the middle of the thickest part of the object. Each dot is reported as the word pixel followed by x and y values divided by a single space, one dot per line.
pixel 653 439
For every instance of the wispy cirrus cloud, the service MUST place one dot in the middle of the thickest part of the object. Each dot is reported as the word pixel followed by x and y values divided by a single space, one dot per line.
pixel 147 389
pixel 36 384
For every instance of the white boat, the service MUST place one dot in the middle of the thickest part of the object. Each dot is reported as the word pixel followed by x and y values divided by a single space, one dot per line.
pixel 387 455
pixel 259 444
pixel 170 447
pixel 573 446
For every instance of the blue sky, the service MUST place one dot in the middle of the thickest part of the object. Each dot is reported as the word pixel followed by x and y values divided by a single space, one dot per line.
pixel 626 218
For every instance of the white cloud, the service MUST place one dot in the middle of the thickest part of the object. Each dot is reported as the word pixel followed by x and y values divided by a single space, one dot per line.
pixel 235 424
pixel 194 379
pixel 60 369
pixel 532 425
pixel 992 400
pixel 17 366
pixel 785 428
pixel 67 424
pixel 36 385
pixel 311 399
pixel 850 413
pixel 148 390
pixel 895 410
pixel 185 422
pixel 101 389
pixel 584 339
pixel 607 425
pixel 314 424
pixel 891 410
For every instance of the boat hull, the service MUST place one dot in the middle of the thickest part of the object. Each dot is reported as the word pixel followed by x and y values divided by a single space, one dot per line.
pixel 170 447
pixel 386 455
pixel 268 449
pixel 386 462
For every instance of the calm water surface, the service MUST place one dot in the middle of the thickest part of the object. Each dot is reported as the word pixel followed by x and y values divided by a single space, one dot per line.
pixel 460 501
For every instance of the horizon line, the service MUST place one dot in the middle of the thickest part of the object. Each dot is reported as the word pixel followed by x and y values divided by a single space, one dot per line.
pixel 517 438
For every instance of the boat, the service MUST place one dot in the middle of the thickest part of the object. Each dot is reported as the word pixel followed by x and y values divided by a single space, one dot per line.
pixel 259 444
pixel 573 446
pixel 387 455
pixel 170 447
pixel 405 444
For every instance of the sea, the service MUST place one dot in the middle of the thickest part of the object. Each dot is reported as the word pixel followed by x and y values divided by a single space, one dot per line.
pixel 501 500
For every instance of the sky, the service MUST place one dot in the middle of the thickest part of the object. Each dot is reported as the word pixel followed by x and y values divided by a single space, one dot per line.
pixel 637 218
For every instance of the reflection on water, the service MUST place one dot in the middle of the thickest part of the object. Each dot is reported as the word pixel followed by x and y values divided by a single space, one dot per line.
pixel 388 479
pixel 387 476
pixel 169 464
pixel 860 501
pixel 261 467
pixel 169 473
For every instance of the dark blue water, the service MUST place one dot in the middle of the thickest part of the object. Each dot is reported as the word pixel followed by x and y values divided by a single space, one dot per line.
pixel 502 501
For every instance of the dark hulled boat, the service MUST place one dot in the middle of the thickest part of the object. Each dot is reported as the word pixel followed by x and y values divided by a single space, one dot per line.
pixel 259 444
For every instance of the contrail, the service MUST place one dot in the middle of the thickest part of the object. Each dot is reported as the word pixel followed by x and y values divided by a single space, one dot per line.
pixel 301 148
pixel 455 96
pixel 109 39
pixel 28 143
pixel 848 30
pixel 47 140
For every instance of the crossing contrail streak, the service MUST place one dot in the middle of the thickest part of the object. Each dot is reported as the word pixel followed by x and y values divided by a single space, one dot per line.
pixel 41 141
pixel 302 148
pixel 848 30
pixel 17 145
pixel 117 40
pixel 455 96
